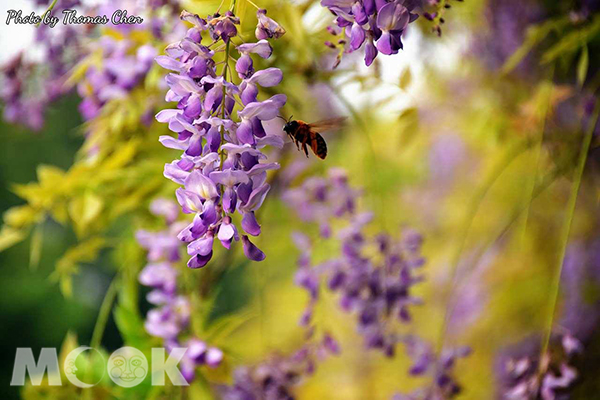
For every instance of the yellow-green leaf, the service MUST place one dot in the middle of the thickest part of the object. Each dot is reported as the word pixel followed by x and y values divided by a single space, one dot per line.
pixel 9 237
pixel 21 216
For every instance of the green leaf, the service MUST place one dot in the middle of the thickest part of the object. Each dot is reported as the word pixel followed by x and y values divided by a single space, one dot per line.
pixel 534 35
pixel 68 265
pixel 21 216
pixel 572 42
pixel 84 210
pixel 582 66
pixel 129 322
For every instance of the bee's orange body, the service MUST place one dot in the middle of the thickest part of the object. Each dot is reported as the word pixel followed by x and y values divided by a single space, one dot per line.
pixel 304 134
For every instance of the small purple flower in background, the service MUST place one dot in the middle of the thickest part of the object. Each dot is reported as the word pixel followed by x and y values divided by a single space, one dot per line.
pixel 373 275
pixel 120 72
pixel 426 363
pixel 378 25
pixel 220 169
pixel 277 377
pixel 28 87
pixel 171 318
pixel 525 377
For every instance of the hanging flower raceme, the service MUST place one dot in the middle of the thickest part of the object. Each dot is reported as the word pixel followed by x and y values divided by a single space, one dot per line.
pixel 375 285
pixel 373 276
pixel 121 71
pixel 440 368
pixel 527 377
pixel 277 377
pixel 28 87
pixel 171 318
pixel 376 25
pixel 219 127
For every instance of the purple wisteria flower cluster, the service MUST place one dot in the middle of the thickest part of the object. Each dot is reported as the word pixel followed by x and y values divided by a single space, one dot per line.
pixel 220 168
pixel 277 377
pixel 373 275
pixel 440 368
pixel 29 86
pixel 376 24
pixel 123 68
pixel 18 106
pixel 171 318
pixel 528 377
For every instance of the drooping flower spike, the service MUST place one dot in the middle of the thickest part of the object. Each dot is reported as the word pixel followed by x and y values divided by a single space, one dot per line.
pixel 219 129
pixel 170 319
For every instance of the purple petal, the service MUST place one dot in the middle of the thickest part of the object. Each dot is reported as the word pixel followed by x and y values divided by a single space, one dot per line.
pixel 213 357
pixel 199 261
pixel 370 53
pixel 357 36
pixel 202 246
pixel 244 132
pixel 384 44
pixel 264 110
pixel 257 198
pixel 166 115
pixel 250 224
pixel 267 77
pixel 229 177
pixel 393 17
pixel 262 48
pixel 244 66
pixel 172 143
pixel 169 63
pixel 190 202
pixel 213 98
pixel 251 251
pixel 249 94
pixel 201 185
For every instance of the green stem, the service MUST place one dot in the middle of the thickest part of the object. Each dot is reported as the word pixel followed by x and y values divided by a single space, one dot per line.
pixel 103 314
pixel 47 11
pixel 101 321
pixel 554 291
pixel 474 205
pixel 538 152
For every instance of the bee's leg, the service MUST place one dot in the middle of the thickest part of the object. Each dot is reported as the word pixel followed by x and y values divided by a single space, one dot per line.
pixel 305 149
pixel 297 144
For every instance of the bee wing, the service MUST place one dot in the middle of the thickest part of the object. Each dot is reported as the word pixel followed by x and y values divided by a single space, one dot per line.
pixel 327 124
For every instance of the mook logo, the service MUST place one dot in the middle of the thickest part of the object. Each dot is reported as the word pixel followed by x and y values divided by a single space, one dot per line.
pixel 127 367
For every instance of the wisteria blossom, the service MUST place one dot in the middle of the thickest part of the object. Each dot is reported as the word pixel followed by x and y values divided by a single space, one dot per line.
pixel 377 26
pixel 124 67
pixel 219 127
pixel 171 317
pixel 376 288
pixel 373 277
pixel 28 86
pixel 277 377
pixel 440 368
pixel 526 376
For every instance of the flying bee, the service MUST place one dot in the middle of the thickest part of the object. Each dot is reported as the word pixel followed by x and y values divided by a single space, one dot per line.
pixel 302 134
